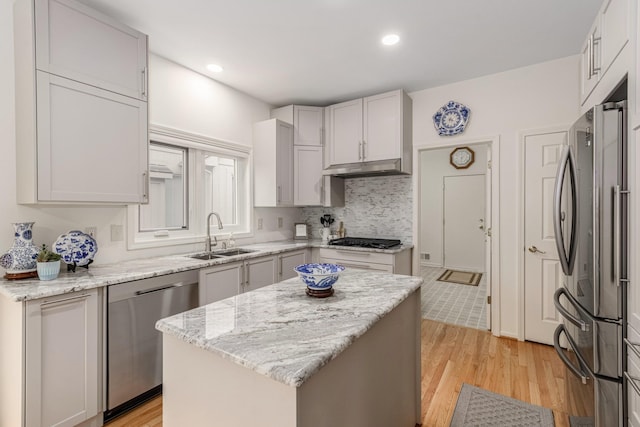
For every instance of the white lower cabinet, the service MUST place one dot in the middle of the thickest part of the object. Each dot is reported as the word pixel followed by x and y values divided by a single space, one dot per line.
pixel 219 282
pixel 288 261
pixel 61 366
pixel 397 263
pixel 228 280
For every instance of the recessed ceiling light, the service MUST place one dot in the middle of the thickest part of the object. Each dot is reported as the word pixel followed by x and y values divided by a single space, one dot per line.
pixel 390 39
pixel 215 68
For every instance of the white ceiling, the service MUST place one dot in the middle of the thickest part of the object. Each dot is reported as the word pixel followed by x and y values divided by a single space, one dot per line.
pixel 319 52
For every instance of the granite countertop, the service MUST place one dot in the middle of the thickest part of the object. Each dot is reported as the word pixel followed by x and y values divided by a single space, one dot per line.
pixel 280 332
pixel 110 274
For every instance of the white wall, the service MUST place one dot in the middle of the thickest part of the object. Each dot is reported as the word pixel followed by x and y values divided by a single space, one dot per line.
pixel 502 105
pixel 434 167
pixel 178 98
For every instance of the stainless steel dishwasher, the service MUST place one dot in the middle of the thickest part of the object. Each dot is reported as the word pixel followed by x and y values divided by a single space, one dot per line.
pixel 134 346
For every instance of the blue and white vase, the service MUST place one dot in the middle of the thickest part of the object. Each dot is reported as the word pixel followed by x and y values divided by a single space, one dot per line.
pixel 21 258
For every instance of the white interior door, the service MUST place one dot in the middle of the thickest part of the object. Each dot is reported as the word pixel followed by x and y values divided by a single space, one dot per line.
pixel 463 216
pixel 542 271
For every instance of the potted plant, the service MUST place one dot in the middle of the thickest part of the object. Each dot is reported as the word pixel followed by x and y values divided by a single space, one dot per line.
pixel 48 264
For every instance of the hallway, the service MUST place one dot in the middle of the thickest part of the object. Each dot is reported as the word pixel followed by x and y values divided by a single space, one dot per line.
pixel 452 303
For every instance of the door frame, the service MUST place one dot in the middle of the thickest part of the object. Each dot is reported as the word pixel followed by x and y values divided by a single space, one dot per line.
pixel 493 142
pixel 444 193
pixel 520 218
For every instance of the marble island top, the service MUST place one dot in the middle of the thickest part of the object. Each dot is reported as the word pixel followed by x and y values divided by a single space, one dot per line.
pixel 127 271
pixel 280 332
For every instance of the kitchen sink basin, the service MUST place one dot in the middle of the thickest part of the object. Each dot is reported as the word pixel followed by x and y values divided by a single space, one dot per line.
pixel 205 256
pixel 232 252
pixel 220 254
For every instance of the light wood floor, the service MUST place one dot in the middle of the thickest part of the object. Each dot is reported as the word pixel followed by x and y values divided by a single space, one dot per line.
pixel 452 355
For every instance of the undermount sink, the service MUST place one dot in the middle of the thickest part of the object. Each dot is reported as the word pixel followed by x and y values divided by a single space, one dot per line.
pixel 232 252
pixel 205 256
pixel 220 254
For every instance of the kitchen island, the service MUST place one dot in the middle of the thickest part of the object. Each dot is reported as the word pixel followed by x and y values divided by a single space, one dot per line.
pixel 276 357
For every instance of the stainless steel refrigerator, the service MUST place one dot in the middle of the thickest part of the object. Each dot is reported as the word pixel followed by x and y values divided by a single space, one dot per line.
pixel 591 229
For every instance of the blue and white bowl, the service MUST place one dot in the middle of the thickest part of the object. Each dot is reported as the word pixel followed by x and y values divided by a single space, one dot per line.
pixel 319 277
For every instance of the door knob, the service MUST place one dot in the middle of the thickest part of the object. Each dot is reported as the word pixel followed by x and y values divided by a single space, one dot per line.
pixel 534 250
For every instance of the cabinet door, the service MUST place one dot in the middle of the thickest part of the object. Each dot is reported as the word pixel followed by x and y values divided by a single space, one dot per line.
pixel 589 62
pixel 284 164
pixel 383 126
pixel 346 132
pixel 614 30
pixel 62 359
pixel 259 272
pixel 307 125
pixel 307 175
pixel 79 43
pixel 289 261
pixel 92 144
pixel 219 282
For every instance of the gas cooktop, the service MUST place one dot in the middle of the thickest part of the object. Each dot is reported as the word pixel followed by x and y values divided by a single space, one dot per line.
pixel 363 242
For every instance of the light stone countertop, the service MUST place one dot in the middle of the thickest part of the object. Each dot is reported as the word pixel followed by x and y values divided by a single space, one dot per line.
pixel 280 332
pixel 127 271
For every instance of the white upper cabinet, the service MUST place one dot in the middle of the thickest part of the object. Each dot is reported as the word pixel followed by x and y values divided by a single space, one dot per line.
pixel 307 125
pixel 81 109
pixel 345 137
pixel 81 44
pixel 273 163
pixel 370 129
pixel 608 36
pixel 308 178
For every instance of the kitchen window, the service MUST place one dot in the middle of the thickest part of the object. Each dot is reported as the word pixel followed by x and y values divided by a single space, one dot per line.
pixel 190 176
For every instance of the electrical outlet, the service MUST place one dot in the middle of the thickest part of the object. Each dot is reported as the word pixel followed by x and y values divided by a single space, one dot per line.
pixel 280 222
pixel 92 231
pixel 117 233
pixel 259 223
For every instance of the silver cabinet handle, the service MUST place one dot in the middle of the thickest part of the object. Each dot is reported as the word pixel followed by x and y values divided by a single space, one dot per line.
pixel 363 266
pixel 364 143
pixel 534 250
pixel 145 187
pixel 144 81
pixel 633 381
pixel 594 41
pixel 280 266
pixel 279 196
pixel 590 56
pixel 360 150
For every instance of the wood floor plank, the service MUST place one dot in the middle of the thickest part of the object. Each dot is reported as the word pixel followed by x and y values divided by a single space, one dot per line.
pixel 453 355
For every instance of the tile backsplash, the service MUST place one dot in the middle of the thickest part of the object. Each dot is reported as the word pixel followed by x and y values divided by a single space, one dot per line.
pixel 379 207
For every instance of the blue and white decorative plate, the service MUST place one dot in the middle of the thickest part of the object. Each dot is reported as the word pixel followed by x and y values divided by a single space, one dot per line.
pixel 451 118
pixel 76 247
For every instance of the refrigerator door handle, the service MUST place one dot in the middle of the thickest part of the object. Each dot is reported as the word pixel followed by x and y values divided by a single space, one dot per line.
pixel 566 162
pixel 578 372
pixel 584 326
pixel 633 381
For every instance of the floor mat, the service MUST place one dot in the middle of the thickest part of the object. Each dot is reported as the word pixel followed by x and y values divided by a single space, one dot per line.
pixel 461 277
pixel 479 407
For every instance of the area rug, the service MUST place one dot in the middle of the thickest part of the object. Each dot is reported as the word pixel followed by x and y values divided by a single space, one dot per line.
pixel 478 407
pixel 460 277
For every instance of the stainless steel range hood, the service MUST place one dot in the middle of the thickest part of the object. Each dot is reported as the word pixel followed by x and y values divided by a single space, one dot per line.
pixel 377 168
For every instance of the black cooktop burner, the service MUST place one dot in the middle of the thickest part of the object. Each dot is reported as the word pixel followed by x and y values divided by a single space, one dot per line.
pixel 365 243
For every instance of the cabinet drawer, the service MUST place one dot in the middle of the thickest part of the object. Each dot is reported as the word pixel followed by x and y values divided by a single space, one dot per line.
pixel 366 257
pixel 633 371
pixel 359 264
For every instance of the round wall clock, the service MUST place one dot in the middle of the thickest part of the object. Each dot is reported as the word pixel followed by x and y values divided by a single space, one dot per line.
pixel 462 157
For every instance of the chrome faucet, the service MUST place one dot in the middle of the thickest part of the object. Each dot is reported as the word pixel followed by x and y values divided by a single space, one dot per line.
pixel 207 242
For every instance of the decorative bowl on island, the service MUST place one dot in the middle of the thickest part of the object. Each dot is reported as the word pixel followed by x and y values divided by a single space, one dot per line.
pixel 319 277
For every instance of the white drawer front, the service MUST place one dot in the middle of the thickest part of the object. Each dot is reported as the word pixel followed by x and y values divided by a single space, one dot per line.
pixel 357 256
